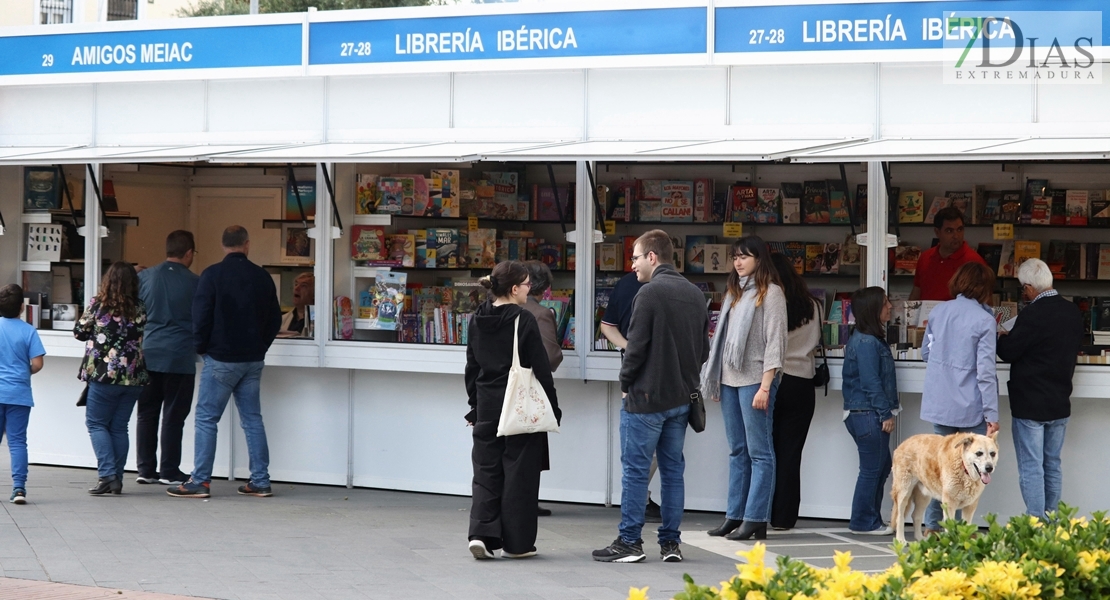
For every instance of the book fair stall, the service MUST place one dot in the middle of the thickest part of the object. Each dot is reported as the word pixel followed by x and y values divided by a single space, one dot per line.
pixel 396 155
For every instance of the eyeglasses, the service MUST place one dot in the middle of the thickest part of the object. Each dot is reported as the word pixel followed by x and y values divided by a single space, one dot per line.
pixel 636 257
pixel 527 283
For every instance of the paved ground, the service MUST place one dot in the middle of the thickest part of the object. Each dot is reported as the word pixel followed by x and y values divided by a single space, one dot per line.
pixel 334 543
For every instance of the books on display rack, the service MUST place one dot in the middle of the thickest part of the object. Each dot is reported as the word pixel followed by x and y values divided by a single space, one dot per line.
pixel 769 206
pixel 695 252
pixel 1077 207
pixel 41 190
pixel 1024 250
pixel 367 194
pixel 911 207
pixel 677 203
pixel 938 204
pixel 792 203
pixel 368 242
pixel 716 258
pixel 905 259
pixel 815 202
pixel 383 302
pixel 743 203
pixel 961 201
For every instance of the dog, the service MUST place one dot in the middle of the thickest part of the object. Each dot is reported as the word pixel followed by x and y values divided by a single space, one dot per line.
pixel 953 469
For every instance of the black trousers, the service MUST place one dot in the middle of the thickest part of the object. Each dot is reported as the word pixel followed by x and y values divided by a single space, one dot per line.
pixel 171 396
pixel 794 406
pixel 506 488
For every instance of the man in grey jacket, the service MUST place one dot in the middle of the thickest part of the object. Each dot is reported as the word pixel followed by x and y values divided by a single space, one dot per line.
pixel 668 340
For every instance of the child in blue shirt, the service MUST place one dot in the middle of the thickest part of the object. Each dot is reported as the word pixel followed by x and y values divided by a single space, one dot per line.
pixel 21 355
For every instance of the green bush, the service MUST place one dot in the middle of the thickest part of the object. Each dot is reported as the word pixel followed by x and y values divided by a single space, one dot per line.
pixel 1063 556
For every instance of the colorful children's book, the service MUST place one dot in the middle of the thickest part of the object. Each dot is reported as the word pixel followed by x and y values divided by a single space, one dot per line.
pixel 421 199
pixel 482 248
pixel 905 259
pixel 814 254
pixel 1010 207
pixel 388 298
pixel 545 207
pixel 1040 212
pixel 769 207
pixel 961 201
pixel 717 258
pixel 552 256
pixel 992 208
pixel 366 195
pixel 838 207
pixel 695 252
pixel 651 211
pixel 796 252
pixel 402 249
pixel 344 318
pixel 792 203
pixel 830 260
pixel 505 184
pixel 815 202
pixel 368 243
pixel 449 192
pixel 911 207
pixel 703 200
pixel 1006 259
pixel 677 202
pixel 1024 250
pixel 744 203
pixel 938 204
pixel 446 247
pixel 622 196
pixel 391 194
pixel 609 257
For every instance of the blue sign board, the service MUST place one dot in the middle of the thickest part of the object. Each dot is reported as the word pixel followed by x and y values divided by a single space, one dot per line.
pixel 149 50
pixel 875 26
pixel 505 36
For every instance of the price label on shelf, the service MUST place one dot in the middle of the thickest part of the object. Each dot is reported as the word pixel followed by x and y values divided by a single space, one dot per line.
pixel 1003 231
pixel 734 230
pixel 610 228
pixel 472 222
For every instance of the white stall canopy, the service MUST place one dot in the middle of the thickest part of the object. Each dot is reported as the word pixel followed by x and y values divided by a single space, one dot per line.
pixel 985 149
pixel 116 154
pixel 381 152
pixel 688 150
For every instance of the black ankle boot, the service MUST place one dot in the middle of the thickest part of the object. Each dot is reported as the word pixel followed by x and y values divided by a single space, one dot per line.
pixel 749 529
pixel 107 486
pixel 725 528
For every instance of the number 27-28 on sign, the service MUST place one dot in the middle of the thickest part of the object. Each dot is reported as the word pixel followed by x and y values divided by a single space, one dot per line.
pixel 354 49
pixel 766 36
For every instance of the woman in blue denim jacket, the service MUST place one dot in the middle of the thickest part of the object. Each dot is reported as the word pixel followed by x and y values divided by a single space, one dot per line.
pixel 870 402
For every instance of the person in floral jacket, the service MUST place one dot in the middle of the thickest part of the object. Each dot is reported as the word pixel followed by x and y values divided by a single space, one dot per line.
pixel 113 368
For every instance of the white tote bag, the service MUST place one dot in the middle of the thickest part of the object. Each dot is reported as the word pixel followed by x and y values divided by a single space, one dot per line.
pixel 526 408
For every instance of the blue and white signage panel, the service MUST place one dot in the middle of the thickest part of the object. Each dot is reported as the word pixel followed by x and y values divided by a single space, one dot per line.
pixel 876 26
pixel 152 50
pixel 605 33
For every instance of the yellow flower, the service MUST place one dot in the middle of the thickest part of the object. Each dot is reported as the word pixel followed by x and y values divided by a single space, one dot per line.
pixel 728 593
pixel 1004 580
pixel 842 560
pixel 1087 563
pixel 1035 522
pixel 946 584
pixel 1080 521
pixel 637 593
pixel 755 595
pixel 754 571
pixel 1062 533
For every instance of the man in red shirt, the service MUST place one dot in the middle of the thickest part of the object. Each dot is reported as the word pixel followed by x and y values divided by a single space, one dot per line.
pixel 938 264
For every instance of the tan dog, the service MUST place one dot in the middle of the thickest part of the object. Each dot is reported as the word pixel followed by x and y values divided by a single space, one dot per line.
pixel 954 469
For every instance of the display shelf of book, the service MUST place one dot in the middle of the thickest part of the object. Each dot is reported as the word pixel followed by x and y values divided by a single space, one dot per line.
pixel 277 223
pixel 34 265
pixel 369 272
pixel 375 219
pixel 480 219
pixel 37 217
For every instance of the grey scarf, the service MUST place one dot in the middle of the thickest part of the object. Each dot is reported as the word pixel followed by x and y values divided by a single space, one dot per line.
pixel 728 344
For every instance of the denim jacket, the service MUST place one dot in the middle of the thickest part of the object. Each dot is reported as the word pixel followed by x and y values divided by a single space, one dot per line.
pixel 869 382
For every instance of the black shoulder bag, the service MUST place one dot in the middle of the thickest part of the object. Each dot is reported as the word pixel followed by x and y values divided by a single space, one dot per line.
pixel 697 412
pixel 821 375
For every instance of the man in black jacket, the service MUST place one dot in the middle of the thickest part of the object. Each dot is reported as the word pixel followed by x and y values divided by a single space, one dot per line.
pixel 1041 349
pixel 668 340
pixel 236 317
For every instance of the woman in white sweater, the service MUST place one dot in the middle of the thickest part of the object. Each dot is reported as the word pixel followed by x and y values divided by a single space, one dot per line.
pixel 795 400
pixel 742 374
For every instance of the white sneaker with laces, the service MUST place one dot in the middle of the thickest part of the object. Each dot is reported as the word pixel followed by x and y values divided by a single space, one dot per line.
pixel 147 480
pixel 478 549
pixel 884 530
pixel 527 554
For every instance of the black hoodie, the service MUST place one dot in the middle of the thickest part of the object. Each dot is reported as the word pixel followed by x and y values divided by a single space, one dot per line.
pixel 489 355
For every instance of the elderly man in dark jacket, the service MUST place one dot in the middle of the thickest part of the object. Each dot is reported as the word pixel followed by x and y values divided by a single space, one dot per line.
pixel 668 340
pixel 1041 348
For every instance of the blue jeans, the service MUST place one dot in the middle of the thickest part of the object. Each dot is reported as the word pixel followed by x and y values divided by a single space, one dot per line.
pixel 106 416
pixel 13 423
pixel 874 466
pixel 934 513
pixel 218 381
pixel 1040 474
pixel 751 458
pixel 642 435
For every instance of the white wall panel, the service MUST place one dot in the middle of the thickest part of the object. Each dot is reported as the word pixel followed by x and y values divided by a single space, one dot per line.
pixel 916 95
pixel 59 114
pixel 145 113
pixel 1084 104
pixel 357 106
pixel 632 103
pixel 11 204
pixel 806 94
pixel 520 100
pixel 267 109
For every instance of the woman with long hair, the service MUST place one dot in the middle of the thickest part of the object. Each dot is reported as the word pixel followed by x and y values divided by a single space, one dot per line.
pixel 870 404
pixel 960 349
pixel 506 483
pixel 113 368
pixel 745 358
pixel 796 398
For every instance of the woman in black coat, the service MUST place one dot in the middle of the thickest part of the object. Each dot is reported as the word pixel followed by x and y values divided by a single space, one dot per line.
pixel 506 483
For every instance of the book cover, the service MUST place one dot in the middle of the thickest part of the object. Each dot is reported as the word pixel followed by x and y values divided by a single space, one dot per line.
pixel 621 199
pixel 815 202
pixel 482 248
pixel 1006 259
pixel 1059 212
pixel 1103 262
pixel 307 191
pixel 716 258
pixel 391 195
pixel 366 194
pixel 703 200
pixel 1034 188
pixel 1024 250
pixel 422 255
pixel 850 254
pixel 838 207
pixel 743 203
pixel 829 263
pixel 1072 260
pixel 796 252
pixel 905 259
pixel 552 256
pixel 1076 207
pixel 570 253
pixel 402 249
pixel 468 200
pixel 720 207
pixel 609 258
pixel 484 193
pixel 650 189
pixel 344 318
pixel 911 207
pixel 677 204
pixel 388 297
pixel 1040 212
pixel 992 208
pixel 1010 207
pixel 1099 208
pixel 769 206
pixel 1056 257
pixel 449 192
pixel 695 252
pixel 368 242
pixel 41 190
pixel 814 257
pixel 651 211
pixel 628 249
pixel 446 247
pixel 961 201
pixel 978 199
pixel 505 188
pixel 991 253
pixel 44 242
pixel 545 207
pixel 792 203
pixel 416 191
pixel 861 202
pixel 679 244
pixel 938 204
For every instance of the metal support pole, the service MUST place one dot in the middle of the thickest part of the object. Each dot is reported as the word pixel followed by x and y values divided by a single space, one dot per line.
pixel 877 219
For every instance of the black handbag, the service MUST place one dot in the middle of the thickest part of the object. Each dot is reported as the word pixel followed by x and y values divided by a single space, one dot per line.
pixel 821 374
pixel 697 413
pixel 84 397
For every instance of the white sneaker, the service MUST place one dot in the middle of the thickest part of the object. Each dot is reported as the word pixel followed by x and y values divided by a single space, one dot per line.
pixel 527 554
pixel 478 549
pixel 884 530
pixel 146 480
pixel 169 481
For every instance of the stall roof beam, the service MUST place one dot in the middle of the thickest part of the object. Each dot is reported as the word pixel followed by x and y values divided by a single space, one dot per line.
pixel 760 150
pixel 946 150
pixel 120 154
pixel 380 152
